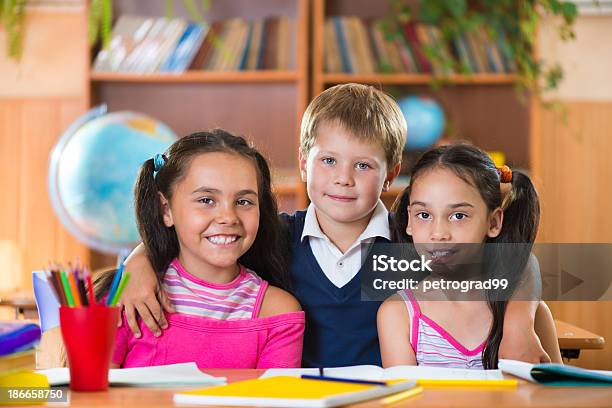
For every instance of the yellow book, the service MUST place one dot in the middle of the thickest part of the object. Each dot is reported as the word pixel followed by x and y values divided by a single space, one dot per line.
pixel 27 380
pixel 21 379
pixel 290 392
pixel 24 360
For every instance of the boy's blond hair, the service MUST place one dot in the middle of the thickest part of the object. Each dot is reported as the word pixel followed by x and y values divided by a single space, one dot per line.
pixel 364 111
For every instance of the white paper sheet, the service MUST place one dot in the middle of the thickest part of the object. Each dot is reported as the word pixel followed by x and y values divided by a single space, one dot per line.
pixel 156 376
pixel 370 372
pixel 517 368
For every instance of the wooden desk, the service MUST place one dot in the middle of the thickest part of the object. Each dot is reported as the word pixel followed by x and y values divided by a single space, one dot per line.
pixel 572 339
pixel 526 395
pixel 22 302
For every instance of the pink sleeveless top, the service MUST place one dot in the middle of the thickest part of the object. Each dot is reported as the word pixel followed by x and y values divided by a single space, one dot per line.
pixel 434 346
pixel 216 326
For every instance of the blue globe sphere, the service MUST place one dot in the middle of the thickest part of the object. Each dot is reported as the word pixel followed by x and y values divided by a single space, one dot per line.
pixel 92 172
pixel 425 120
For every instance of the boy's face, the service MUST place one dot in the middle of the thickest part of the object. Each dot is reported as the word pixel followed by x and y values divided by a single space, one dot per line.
pixel 344 176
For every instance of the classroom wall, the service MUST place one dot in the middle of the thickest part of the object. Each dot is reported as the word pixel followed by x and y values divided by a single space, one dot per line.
pixel 574 178
pixel 39 97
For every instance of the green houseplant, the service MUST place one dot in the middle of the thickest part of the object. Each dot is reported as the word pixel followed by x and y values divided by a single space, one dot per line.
pixel 511 23
pixel 12 16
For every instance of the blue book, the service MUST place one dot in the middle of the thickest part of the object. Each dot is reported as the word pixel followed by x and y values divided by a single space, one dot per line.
pixel 262 44
pixel 186 48
pixel 18 336
pixel 244 59
pixel 557 374
pixel 342 45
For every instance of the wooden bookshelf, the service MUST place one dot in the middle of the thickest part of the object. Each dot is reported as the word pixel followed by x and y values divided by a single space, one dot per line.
pixel 419 79
pixel 264 106
pixel 482 108
pixel 199 77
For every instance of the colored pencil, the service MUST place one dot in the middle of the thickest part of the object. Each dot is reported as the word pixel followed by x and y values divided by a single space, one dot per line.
pixel 115 284
pixel 53 286
pixel 117 295
pixel 82 292
pixel 402 396
pixel 73 288
pixel 344 380
pixel 87 276
pixel 66 285
pixel 58 281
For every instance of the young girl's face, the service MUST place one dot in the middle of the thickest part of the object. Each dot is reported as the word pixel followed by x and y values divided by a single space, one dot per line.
pixel 445 210
pixel 215 210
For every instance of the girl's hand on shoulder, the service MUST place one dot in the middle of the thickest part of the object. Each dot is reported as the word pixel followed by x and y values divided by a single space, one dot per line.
pixel 143 297
pixel 522 344
pixel 278 301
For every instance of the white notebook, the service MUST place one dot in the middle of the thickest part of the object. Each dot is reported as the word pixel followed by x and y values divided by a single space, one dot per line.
pixel 372 372
pixel 172 375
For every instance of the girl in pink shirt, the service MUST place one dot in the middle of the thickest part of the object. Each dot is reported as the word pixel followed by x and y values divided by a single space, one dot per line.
pixel 208 220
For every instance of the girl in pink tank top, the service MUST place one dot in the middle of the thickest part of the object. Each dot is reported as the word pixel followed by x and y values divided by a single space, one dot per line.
pixel 208 221
pixel 454 214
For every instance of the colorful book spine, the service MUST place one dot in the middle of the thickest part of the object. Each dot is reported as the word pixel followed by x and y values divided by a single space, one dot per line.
pixel 417 47
pixel 342 45
pixel 186 48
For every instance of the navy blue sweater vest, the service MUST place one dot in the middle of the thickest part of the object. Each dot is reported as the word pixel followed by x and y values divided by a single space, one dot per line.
pixel 340 327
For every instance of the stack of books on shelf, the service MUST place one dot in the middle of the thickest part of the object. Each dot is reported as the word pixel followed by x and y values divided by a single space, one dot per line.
pixel 18 356
pixel 146 45
pixel 358 46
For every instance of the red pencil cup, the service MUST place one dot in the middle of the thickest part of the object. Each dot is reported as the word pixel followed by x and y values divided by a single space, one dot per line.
pixel 89 336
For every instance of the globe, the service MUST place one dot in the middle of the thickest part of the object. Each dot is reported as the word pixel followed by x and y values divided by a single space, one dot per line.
pixel 92 172
pixel 425 120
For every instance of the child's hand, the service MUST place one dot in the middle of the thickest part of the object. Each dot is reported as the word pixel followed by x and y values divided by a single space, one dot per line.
pixel 523 345
pixel 143 296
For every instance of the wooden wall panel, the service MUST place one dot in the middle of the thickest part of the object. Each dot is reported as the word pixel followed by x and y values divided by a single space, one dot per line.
pixel 66 246
pixel 576 175
pixel 575 186
pixel 37 225
pixel 29 228
pixel 55 55
pixel 39 97
pixel 11 255
pixel 10 129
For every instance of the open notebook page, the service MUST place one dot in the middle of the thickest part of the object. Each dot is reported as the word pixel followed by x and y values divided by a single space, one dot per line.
pixel 371 372
pixel 154 376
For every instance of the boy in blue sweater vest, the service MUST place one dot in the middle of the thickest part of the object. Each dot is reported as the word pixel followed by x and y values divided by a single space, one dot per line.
pixel 351 142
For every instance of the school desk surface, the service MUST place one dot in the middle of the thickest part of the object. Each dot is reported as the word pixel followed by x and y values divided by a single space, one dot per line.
pixel 525 395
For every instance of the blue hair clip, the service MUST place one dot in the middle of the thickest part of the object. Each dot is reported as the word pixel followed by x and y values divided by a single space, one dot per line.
pixel 158 162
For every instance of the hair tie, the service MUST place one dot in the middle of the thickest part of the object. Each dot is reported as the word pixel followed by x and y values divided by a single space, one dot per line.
pixel 158 162
pixel 505 174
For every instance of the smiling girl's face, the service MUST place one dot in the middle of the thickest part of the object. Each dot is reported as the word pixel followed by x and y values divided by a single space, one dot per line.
pixel 215 211
pixel 444 211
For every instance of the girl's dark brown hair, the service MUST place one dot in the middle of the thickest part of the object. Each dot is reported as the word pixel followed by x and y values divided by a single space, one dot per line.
pixel 268 254
pixel 521 215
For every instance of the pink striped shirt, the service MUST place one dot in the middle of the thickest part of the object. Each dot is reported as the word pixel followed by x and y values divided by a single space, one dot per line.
pixel 216 326
pixel 434 346
pixel 239 299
